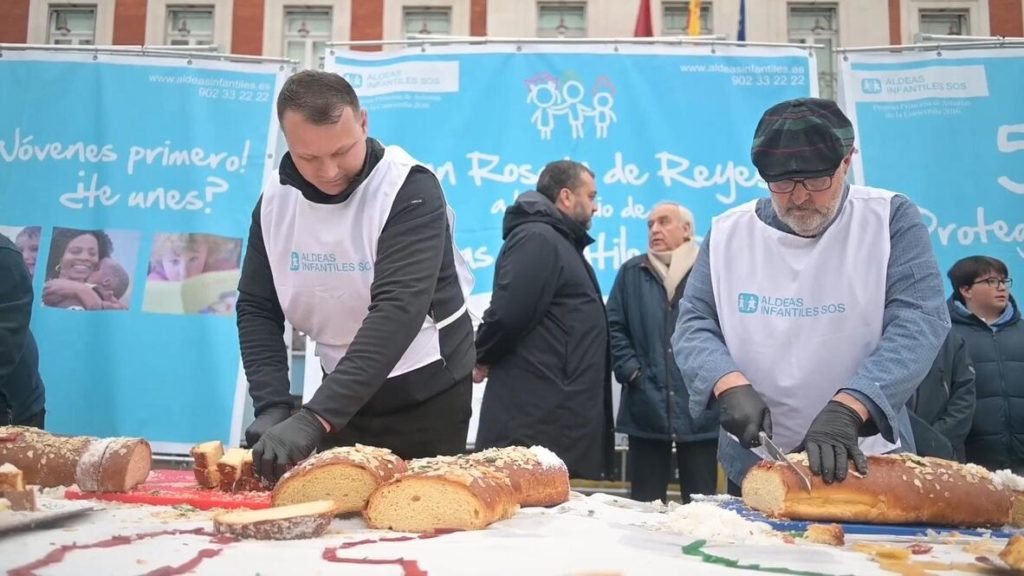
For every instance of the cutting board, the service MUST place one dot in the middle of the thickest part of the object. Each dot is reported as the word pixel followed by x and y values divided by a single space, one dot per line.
pixel 737 505
pixel 177 487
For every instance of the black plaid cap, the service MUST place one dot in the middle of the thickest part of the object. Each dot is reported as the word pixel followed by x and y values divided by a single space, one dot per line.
pixel 802 138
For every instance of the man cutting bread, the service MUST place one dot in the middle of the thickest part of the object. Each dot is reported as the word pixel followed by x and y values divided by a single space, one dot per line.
pixel 813 314
pixel 352 243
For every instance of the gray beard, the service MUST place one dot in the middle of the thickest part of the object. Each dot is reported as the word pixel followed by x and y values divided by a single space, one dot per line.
pixel 808 228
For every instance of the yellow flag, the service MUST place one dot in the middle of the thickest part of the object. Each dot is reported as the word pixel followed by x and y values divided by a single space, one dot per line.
pixel 694 27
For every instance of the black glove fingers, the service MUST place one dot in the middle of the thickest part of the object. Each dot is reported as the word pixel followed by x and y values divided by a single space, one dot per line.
pixel 266 464
pixel 842 462
pixel 859 460
pixel 814 458
pixel 828 463
pixel 281 465
pixel 750 437
pixel 742 414
pixel 766 422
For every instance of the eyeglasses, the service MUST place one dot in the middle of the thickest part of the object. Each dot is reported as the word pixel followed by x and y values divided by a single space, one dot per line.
pixel 994 282
pixel 818 184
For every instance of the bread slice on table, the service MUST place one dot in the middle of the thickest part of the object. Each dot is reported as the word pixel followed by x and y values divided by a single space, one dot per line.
pixel 11 478
pixel 95 464
pixel 346 475
pixel 538 476
pixel 828 534
pixel 898 489
pixel 444 493
pixel 205 457
pixel 306 520
pixel 237 473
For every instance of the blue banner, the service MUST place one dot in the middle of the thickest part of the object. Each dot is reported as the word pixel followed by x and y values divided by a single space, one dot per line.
pixel 129 182
pixel 948 131
pixel 653 122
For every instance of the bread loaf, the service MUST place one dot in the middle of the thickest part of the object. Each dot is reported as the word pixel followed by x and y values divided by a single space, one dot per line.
pixel 444 493
pixel 237 473
pixel 48 460
pixel 113 465
pixel 537 475
pixel 346 475
pixel 205 457
pixel 306 520
pixel 898 489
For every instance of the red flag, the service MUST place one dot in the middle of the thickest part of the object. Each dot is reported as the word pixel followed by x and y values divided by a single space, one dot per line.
pixel 644 25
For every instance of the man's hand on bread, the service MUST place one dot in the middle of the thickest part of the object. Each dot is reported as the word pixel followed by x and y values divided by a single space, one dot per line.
pixel 831 441
pixel 268 418
pixel 287 443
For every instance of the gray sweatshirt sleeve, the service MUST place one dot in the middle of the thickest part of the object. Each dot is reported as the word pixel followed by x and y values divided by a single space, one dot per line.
pixel 697 343
pixel 914 324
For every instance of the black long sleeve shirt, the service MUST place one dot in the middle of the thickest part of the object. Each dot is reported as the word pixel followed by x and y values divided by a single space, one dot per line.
pixel 414 275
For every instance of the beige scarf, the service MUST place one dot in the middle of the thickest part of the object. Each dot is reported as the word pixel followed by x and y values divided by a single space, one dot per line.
pixel 672 266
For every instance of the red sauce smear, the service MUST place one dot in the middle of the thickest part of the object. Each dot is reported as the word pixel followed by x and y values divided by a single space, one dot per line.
pixel 409 567
pixel 187 566
pixel 57 555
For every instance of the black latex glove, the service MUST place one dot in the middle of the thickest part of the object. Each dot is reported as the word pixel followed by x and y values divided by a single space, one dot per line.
pixel 831 442
pixel 268 418
pixel 744 414
pixel 5 416
pixel 286 444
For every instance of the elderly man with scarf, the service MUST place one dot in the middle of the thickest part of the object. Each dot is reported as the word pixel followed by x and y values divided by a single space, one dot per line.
pixel 642 311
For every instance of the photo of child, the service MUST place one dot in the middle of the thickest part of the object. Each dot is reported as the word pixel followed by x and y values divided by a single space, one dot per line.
pixel 193 273
pixel 26 238
pixel 83 272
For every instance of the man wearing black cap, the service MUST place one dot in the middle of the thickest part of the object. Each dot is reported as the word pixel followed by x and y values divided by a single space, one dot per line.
pixel 814 313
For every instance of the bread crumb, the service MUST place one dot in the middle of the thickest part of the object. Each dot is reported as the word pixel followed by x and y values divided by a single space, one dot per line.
pixel 1013 554
pixel 828 534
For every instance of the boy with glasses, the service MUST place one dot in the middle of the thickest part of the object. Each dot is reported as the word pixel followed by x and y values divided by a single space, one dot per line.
pixel 985 313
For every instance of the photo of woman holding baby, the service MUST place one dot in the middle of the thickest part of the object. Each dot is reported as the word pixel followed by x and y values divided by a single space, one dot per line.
pixel 82 273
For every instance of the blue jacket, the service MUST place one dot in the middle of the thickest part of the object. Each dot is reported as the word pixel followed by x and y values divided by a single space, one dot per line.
pixel 996 439
pixel 641 320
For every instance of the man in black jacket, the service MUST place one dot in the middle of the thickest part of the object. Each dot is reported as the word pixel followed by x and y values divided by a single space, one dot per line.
pixel 543 343
pixel 942 407
pixel 22 398
pixel 352 243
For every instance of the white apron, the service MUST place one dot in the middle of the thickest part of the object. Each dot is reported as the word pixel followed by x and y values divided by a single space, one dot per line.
pixel 322 260
pixel 800 315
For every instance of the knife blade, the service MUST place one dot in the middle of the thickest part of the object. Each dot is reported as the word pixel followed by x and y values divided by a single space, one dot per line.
pixel 778 456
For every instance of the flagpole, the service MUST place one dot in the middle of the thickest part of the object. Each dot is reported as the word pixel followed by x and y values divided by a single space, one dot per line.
pixel 741 33
pixel 694 24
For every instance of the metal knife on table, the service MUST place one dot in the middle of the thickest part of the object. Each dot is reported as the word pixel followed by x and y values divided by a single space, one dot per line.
pixel 778 456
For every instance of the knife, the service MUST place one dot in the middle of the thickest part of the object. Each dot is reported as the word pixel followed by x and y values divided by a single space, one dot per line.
pixel 778 456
